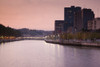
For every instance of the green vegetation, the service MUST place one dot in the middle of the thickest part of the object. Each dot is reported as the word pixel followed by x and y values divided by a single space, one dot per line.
pixel 32 33
pixel 7 31
pixel 81 35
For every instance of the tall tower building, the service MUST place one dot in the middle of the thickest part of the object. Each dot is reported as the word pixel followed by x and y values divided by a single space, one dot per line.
pixel 87 15
pixel 69 15
pixel 78 24
pixel 73 18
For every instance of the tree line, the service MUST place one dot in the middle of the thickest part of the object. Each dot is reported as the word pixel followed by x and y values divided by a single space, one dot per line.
pixel 81 35
pixel 8 31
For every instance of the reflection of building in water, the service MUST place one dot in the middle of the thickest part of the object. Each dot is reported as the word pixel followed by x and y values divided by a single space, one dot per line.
pixel 79 57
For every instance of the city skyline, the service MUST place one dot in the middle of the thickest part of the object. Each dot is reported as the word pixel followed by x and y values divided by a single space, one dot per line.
pixel 39 14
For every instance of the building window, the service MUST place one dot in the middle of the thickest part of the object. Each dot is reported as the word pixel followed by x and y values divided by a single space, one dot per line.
pixel 69 11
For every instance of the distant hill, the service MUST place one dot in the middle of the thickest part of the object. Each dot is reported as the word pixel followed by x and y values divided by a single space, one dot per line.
pixel 8 31
pixel 30 33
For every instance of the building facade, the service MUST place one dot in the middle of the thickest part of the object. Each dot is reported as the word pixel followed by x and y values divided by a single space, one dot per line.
pixel 69 17
pixel 94 24
pixel 73 18
pixel 78 24
pixel 87 15
pixel 91 25
pixel 97 23
pixel 59 26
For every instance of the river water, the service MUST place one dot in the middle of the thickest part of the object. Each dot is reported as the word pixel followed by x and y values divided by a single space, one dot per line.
pixel 36 53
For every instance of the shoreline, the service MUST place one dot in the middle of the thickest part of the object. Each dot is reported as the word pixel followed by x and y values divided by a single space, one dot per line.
pixel 61 42
pixel 18 39
pixel 9 40
pixel 74 43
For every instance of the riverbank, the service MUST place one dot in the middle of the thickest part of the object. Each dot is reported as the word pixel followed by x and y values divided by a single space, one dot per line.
pixel 75 42
pixel 3 40
pixel 9 40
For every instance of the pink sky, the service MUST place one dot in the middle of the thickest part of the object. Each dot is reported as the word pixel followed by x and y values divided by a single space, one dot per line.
pixel 39 14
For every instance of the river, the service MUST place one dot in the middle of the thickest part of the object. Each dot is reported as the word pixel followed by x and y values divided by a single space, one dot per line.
pixel 37 53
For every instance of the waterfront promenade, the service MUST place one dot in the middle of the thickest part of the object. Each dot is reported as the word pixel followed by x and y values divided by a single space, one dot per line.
pixel 90 43
pixel 11 39
pixel 70 42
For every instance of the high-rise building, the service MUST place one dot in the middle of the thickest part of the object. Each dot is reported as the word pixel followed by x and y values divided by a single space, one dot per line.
pixel 73 18
pixel 69 15
pixel 78 24
pixel 87 14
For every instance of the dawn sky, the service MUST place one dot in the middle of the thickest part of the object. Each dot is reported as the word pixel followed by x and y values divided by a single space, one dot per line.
pixel 39 14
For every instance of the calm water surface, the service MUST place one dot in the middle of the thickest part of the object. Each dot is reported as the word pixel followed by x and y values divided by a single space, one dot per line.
pixel 33 53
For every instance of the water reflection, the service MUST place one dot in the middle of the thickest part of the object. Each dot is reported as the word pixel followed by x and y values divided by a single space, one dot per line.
pixel 33 53
pixel 81 57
